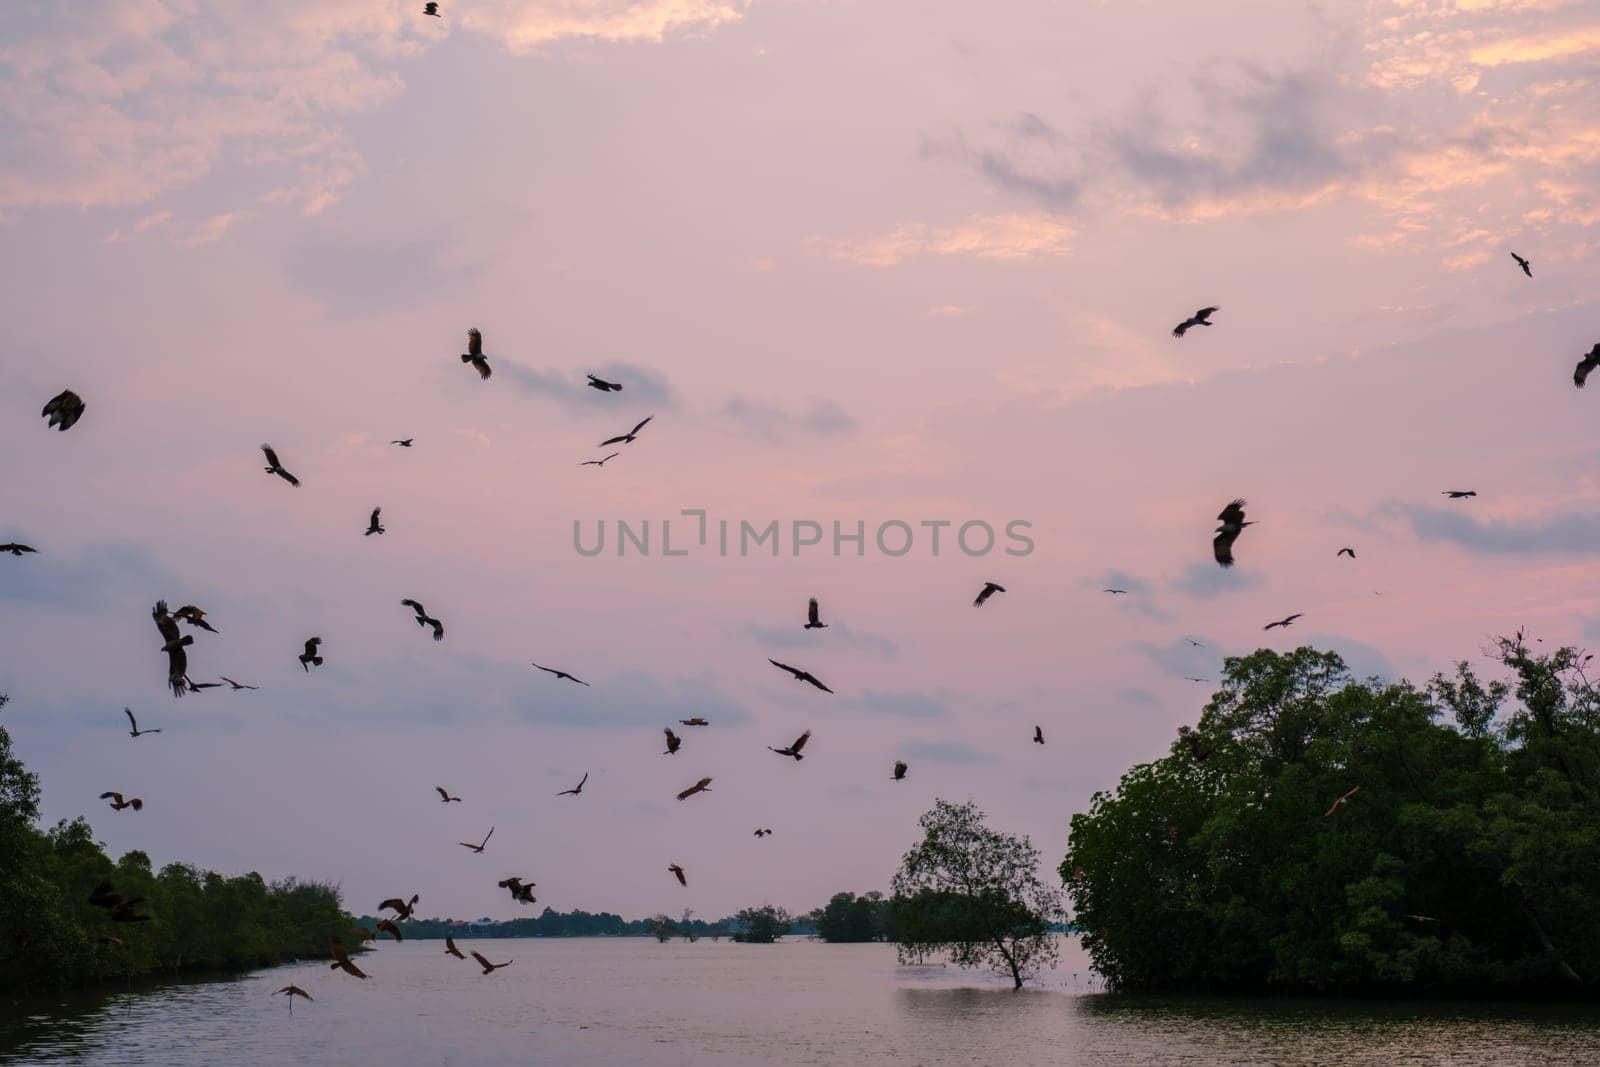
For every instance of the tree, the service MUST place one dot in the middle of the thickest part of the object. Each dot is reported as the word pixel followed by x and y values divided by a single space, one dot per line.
pixel 1468 860
pixel 661 928
pixel 691 933
pixel 763 925
pixel 974 894
pixel 849 918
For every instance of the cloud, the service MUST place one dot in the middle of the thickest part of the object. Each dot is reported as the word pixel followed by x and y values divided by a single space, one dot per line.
pixel 904 703
pixel 1011 238
pixel 1179 658
pixel 1560 534
pixel 84 578
pixel 625 701
pixel 956 752
pixel 361 277
pixel 1029 163
pixel 213 229
pixel 838 633
pixel 1206 580
pixel 523 26
pixel 1136 592
pixel 641 385
pixel 822 417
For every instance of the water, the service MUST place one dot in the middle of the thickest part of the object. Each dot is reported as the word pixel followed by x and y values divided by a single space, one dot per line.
pixel 632 1001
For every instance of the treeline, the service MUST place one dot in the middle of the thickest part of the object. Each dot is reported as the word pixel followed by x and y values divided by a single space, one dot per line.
pixel 551 923
pixel 183 919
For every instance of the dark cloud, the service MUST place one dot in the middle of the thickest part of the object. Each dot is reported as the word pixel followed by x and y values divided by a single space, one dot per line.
pixel 1137 596
pixel 640 385
pixel 1206 580
pixel 839 633
pixel 79 579
pixel 821 417
pixel 944 752
pixel 1027 164
pixel 906 703
pixel 1180 659
pixel 1364 660
pixel 1561 534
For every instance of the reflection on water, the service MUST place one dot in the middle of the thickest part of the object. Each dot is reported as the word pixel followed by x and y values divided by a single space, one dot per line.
pixel 609 1001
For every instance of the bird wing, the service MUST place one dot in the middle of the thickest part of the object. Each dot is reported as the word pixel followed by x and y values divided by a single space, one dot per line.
pixel 131 720
pixel 416 607
pixel 393 903
pixel 641 425
pixel 374 520
pixel 442 794
pixel 487 836
pixel 272 456
pixel 1222 547
pixel 814 680
pixel 1233 514
pixel 785 667
pixel 1205 313
pixel 485 964
pixel 438 629
pixel 812 612
pixel 474 343
pixel 582 780
pixel 116 797
pixel 800 742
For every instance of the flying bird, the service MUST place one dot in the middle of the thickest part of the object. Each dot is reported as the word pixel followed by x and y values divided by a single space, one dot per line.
pixel 174 645
pixel 478 848
pixel 696 721
pixel 1116 592
pixel 431 8
pixel 1199 318
pixel 373 525
pixel 274 467
pixel 402 908
pixel 237 685
pixel 1193 642
pixel 117 803
pixel 1346 552
pixel 311 656
pixel 194 617
pixel 599 462
pixel 673 742
pixel 134 723
pixel 196 687
pixel 1285 622
pixel 119 909
pixel 1192 678
pixel 490 968
pixel 813 617
pixel 800 675
pixel 16 549
pixel 677 872
pixel 1459 494
pixel 520 891
pixel 450 948
pixel 341 962
pixel 1038 735
pixel 627 438
pixel 424 619
pixel 1233 524
pixel 576 790
pixel 64 410
pixel 702 786
pixel 474 354
pixel 1585 365
pixel 794 748
pixel 764 833
pixel 989 589
pixel 899 771
pixel 561 674
pixel 403 443
pixel 387 926
pixel 603 385
pixel 292 991
pixel 445 797
pixel 1523 264
pixel 1341 802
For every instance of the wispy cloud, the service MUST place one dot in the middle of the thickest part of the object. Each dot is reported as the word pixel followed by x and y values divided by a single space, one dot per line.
pixel 1013 238
pixel 1206 580
pixel 642 385
pixel 904 703
pixel 823 418
pixel 1560 534
pixel 944 751
pixel 837 633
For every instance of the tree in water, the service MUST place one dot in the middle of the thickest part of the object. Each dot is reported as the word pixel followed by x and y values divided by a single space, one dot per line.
pixel 763 925
pixel 661 928
pixel 974 894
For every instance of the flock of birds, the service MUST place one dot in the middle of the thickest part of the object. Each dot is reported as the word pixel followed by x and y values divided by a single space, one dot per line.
pixel 65 410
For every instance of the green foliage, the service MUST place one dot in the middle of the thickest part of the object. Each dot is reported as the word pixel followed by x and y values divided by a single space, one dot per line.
pixel 1468 861
pixel 974 894
pixel 848 917
pixel 51 937
pixel 762 926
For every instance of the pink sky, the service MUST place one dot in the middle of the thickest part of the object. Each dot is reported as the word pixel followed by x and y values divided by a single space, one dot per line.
pixel 861 260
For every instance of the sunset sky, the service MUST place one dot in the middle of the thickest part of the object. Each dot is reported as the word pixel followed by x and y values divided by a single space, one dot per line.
pixel 863 260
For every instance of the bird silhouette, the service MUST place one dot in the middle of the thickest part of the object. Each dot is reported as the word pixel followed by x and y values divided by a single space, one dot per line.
pixel 696 721
pixel 1233 524
pixel 764 833
pixel 387 926
pixel 134 723
pixel 474 354
pixel 1459 494
pixel 403 442
pixel 17 550
pixel 576 790
pixel 561 674
pixel 1194 643
pixel 63 410
pixel 1285 622
pixel 603 385
pixel 119 908
pixel 117 803
pixel 402 908
pixel 490 968
pixel 1341 802
pixel 794 747
pixel 702 786
pixel 677 872
pixel 521 892
pixel 197 687
pixel 800 675
pixel 813 617
pixel 174 646
pixel 989 589
pixel 1199 318
pixel 431 8
pixel 424 619
pixel 599 462
pixel 1346 552
pixel 274 467
pixel 1116 592
pixel 444 796
pixel 1526 269
pixel 627 438
pixel 450 948
pixel 237 685
pixel 194 616
pixel 341 962
pixel 373 525
pixel 292 991
pixel 1192 678
pixel 899 771
pixel 478 848
pixel 312 656
pixel 673 742
pixel 1038 735
pixel 1580 373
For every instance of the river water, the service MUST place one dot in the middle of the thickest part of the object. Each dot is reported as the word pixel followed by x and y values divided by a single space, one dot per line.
pixel 633 1001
